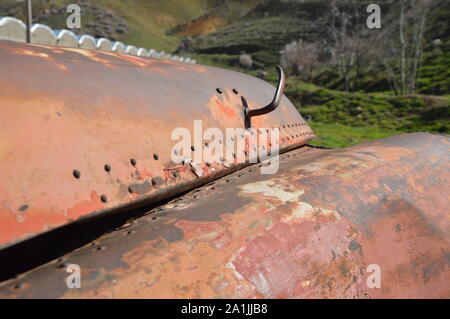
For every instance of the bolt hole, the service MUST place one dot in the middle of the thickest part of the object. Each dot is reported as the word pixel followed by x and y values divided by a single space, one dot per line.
pixel 235 91
pixel 107 168
pixel 76 174
pixel 17 286
pixel 103 198
pixel 62 265
pixel 219 90
pixel 133 162
pixel 155 157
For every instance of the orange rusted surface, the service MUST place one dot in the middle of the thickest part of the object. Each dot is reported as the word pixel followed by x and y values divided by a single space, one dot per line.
pixel 64 110
pixel 310 231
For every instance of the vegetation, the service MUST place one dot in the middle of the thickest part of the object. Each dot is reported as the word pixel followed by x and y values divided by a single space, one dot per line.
pixel 341 118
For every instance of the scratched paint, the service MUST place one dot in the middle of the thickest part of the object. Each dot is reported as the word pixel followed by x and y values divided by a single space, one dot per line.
pixel 243 237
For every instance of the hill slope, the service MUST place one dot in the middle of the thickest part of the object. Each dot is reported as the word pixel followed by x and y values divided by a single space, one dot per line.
pixel 142 22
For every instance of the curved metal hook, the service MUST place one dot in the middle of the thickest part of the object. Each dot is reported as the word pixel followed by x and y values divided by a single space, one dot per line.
pixel 275 102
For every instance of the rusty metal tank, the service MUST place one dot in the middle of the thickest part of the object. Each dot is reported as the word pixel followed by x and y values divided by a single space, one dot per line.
pixel 87 178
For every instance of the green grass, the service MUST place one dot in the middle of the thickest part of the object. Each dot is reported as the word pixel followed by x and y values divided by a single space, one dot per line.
pixel 265 30
pixel 342 119
pixel 435 71
pixel 404 114
pixel 339 135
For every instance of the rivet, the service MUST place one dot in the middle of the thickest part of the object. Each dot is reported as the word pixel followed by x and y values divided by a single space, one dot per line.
pixel 235 91
pixel 219 90
pixel 76 174
pixel 17 286
pixel 62 265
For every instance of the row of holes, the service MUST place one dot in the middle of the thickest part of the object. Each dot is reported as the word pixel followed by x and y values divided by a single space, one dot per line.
pixel 77 174
pixel 107 167
pixel 133 162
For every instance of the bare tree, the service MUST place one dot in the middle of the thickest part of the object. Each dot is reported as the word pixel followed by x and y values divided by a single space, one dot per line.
pixel 351 42
pixel 301 58
pixel 342 43
pixel 403 44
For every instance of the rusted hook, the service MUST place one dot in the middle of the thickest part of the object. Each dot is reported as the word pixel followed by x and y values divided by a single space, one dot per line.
pixel 270 107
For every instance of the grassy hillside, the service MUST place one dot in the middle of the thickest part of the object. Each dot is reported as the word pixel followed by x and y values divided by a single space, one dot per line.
pixel 341 118
pixel 145 20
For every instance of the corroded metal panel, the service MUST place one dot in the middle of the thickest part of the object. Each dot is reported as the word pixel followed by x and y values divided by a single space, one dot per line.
pixel 85 132
pixel 310 231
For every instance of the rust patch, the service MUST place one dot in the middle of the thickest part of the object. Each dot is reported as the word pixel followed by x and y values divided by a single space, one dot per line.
pixel 106 115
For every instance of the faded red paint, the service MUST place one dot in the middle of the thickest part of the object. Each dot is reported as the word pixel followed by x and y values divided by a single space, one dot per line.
pixel 93 109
